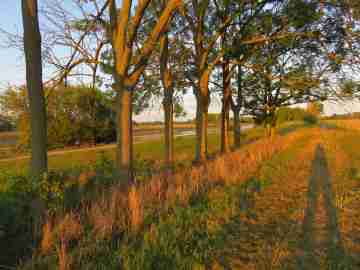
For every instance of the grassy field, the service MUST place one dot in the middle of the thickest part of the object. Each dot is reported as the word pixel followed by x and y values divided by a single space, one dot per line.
pixel 291 202
pixel 150 152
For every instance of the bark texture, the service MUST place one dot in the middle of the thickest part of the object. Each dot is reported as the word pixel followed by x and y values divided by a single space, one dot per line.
pixel 236 108
pixel 237 129
pixel 225 113
pixel 32 47
pixel 124 151
pixel 168 103
pixel 202 101
pixel 201 131
pixel 123 30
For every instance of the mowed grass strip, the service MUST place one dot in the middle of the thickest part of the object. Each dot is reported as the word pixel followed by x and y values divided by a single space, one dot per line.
pixel 273 231
pixel 149 151
pixel 265 233
pixel 343 154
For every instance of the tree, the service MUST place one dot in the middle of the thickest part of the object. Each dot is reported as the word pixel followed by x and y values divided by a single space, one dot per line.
pixel 168 103
pixel 205 35
pixel 236 106
pixel 32 47
pixel 171 61
pixel 128 69
pixel 5 124
pixel 293 67
pixel 222 13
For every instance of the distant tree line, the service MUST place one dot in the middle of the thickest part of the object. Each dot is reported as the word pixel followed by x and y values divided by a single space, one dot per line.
pixel 5 124
pixel 76 115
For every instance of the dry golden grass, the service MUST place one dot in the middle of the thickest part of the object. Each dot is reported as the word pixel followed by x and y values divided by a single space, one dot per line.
pixel 103 222
pixel 84 177
pixel 348 123
pixel 69 227
pixel 262 241
pixel 64 257
pixel 136 209
pixel 275 238
pixel 108 213
pixel 270 233
pixel 47 241
pixel 123 209
pixel 343 153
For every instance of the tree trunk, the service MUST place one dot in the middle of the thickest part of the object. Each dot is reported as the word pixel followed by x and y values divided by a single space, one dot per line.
pixel 93 113
pixel 167 82
pixel 236 108
pixel 201 130
pixel 272 131
pixel 226 101
pixel 124 149
pixel 273 126
pixel 267 130
pixel 32 47
pixel 169 129
pixel 237 129
pixel 225 118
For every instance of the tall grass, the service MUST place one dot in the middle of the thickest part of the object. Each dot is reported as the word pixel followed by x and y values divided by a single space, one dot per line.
pixel 128 211
pixel 353 124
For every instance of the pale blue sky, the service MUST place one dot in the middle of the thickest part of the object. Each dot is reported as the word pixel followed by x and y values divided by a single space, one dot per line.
pixel 11 62
pixel 12 68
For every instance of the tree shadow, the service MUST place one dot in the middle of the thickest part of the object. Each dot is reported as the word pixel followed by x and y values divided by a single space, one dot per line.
pixel 281 242
pixel 327 239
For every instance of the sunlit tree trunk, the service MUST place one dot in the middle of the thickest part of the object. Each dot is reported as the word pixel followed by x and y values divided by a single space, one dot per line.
pixel 273 130
pixel 123 30
pixel 201 130
pixel 168 103
pixel 237 129
pixel 226 95
pixel 169 130
pixel 202 101
pixel 93 104
pixel 167 82
pixel 124 149
pixel 236 108
pixel 270 121
pixel 32 47
pixel 225 116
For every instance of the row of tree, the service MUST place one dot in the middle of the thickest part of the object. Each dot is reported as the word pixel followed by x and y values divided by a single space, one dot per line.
pixel 258 54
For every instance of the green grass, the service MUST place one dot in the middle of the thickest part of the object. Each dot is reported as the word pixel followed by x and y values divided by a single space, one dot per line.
pixel 184 237
pixel 150 151
pixel 188 237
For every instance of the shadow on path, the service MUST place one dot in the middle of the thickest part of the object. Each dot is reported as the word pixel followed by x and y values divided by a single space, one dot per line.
pixel 321 239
